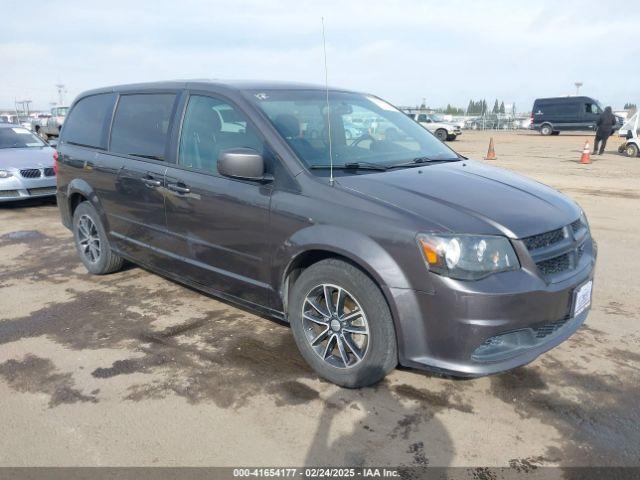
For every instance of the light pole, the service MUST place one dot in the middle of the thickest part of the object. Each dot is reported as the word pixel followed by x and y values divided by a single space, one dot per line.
pixel 578 85
pixel 61 91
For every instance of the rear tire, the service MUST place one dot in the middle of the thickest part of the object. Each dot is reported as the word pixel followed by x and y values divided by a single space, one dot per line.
pixel 546 129
pixel 441 133
pixel 344 357
pixel 92 243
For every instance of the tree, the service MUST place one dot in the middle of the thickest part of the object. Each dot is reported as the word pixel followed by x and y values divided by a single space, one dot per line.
pixel 501 107
pixel 496 107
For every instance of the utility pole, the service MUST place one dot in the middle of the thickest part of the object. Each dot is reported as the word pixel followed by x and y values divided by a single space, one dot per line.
pixel 578 85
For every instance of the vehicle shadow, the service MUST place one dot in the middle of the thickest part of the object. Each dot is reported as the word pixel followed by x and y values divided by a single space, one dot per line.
pixel 396 426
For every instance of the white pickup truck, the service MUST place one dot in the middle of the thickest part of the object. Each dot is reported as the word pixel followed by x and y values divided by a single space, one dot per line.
pixel 438 126
pixel 50 127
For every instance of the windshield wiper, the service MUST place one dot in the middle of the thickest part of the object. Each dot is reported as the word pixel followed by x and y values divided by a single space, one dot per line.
pixel 352 166
pixel 416 162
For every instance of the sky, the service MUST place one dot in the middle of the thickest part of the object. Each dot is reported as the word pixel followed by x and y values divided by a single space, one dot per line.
pixel 402 50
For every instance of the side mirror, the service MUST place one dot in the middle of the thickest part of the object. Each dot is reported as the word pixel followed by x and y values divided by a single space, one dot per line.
pixel 244 163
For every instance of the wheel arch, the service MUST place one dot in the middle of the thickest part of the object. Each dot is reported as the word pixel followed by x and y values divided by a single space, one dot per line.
pixel 354 248
pixel 78 191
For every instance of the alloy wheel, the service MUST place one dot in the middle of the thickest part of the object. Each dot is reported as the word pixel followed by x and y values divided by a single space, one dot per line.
pixel 335 326
pixel 89 239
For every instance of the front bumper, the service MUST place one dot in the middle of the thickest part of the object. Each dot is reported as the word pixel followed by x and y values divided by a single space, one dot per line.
pixel 18 188
pixel 443 330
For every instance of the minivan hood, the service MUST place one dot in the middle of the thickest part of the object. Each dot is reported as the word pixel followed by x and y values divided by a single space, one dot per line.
pixel 32 157
pixel 469 197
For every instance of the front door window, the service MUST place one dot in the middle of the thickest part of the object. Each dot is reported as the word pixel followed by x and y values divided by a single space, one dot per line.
pixel 210 126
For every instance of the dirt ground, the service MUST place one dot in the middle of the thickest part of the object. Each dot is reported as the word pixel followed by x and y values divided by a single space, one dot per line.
pixel 133 369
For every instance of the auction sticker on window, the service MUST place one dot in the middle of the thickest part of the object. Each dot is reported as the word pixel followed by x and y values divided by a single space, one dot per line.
pixel 583 298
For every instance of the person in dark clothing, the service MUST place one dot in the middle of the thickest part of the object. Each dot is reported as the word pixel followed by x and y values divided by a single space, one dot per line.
pixel 605 123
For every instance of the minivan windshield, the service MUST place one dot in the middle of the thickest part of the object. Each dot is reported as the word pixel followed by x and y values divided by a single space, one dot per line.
pixel 365 131
pixel 19 138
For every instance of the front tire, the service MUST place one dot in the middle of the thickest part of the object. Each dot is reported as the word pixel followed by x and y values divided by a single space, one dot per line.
pixel 441 133
pixel 631 150
pixel 342 324
pixel 92 243
pixel 451 138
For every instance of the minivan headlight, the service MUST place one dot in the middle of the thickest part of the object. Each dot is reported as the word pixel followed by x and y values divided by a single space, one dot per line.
pixel 467 257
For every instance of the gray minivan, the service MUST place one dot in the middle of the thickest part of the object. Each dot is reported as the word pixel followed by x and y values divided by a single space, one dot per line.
pixel 379 249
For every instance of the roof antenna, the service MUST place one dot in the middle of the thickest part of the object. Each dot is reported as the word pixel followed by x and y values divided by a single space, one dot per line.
pixel 326 85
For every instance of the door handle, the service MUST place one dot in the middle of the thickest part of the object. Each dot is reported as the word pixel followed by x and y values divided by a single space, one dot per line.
pixel 178 188
pixel 151 182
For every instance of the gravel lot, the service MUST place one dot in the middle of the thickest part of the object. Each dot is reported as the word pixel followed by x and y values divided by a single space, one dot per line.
pixel 133 369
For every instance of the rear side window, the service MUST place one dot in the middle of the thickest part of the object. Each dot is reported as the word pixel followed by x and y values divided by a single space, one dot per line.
pixel 559 108
pixel 141 124
pixel 87 124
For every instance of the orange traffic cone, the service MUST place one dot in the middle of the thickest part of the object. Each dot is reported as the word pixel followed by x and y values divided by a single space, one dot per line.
pixel 491 153
pixel 585 159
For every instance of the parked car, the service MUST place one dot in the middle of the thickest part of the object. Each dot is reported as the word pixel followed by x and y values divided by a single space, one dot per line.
pixel 481 123
pixel 52 125
pixel 9 118
pixel 550 116
pixel 26 165
pixel 440 128
pixel 377 251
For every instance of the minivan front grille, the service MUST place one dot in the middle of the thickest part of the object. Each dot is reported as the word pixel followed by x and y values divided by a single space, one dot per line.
pixel 558 252
pixel 30 173
pixel 554 265
pixel 544 239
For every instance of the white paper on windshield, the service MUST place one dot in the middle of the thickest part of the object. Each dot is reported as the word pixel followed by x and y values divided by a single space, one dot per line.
pixel 382 104
pixel 21 130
